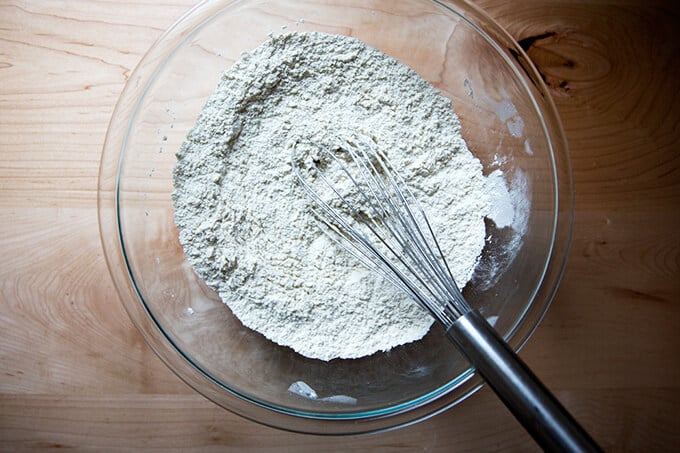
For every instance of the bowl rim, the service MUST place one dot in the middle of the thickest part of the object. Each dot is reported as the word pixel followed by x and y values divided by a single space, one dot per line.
pixel 389 418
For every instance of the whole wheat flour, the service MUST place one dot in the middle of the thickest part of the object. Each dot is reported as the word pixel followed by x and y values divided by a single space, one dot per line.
pixel 243 219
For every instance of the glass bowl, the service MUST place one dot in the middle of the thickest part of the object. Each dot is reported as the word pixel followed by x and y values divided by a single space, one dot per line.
pixel 509 123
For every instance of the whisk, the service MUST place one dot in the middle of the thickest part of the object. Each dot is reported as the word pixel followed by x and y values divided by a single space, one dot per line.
pixel 361 202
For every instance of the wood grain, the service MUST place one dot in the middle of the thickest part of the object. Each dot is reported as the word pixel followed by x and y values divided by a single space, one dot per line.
pixel 75 373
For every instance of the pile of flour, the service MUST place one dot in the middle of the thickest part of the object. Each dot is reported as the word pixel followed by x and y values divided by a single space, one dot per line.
pixel 244 221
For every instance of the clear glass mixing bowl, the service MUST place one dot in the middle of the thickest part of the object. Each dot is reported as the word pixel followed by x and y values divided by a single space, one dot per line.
pixel 509 122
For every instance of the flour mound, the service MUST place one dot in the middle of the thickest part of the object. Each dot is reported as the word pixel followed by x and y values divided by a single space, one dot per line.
pixel 244 221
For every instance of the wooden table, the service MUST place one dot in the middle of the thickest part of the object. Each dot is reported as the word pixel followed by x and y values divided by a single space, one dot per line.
pixel 75 373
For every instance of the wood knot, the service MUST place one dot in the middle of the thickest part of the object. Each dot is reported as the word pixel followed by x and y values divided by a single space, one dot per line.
pixel 565 58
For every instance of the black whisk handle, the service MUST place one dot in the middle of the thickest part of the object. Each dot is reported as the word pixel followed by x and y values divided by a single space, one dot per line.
pixel 541 414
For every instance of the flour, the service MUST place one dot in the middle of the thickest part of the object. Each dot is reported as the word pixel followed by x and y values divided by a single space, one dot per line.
pixel 244 221
pixel 501 210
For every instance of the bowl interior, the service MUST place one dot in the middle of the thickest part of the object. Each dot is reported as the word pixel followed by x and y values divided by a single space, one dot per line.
pixel 508 123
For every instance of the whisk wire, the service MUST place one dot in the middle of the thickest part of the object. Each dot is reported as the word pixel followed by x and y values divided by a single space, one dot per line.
pixel 407 231
pixel 409 260
pixel 382 196
pixel 341 229
pixel 442 272
pixel 413 228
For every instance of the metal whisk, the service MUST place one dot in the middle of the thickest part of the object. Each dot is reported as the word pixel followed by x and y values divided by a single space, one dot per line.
pixel 362 203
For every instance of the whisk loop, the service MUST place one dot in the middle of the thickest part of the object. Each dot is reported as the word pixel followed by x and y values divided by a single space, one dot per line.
pixel 366 207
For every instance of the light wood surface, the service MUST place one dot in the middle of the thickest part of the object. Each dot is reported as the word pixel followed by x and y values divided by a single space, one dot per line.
pixel 75 373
